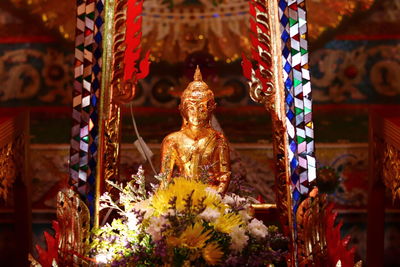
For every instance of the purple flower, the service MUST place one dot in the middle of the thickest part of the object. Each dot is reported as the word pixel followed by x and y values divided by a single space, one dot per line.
pixel 160 249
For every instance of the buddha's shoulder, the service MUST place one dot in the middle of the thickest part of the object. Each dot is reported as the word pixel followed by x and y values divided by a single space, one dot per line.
pixel 219 135
pixel 173 137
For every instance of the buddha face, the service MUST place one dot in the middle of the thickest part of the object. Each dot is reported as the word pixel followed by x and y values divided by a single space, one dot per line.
pixel 197 112
pixel 197 102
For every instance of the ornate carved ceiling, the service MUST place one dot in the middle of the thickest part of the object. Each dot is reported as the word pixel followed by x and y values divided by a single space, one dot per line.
pixel 218 26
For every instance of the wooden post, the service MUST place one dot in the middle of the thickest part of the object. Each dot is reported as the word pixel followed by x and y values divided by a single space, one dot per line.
pixel 376 199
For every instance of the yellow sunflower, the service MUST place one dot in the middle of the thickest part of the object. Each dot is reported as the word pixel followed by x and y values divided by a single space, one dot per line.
pixel 180 188
pixel 212 254
pixel 194 237
pixel 226 222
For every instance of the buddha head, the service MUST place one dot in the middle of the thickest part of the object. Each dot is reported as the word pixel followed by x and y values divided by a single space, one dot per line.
pixel 197 102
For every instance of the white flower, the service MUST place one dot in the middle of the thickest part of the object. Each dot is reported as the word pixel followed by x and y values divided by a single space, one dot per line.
pixel 156 225
pixel 239 238
pixel 132 221
pixel 101 258
pixel 104 258
pixel 245 215
pixel 149 212
pixel 210 214
pixel 144 205
pixel 257 228
pixel 234 200
pixel 240 199
pixel 228 200
pixel 171 212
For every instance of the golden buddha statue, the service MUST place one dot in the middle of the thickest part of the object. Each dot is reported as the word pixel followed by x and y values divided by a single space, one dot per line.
pixel 197 146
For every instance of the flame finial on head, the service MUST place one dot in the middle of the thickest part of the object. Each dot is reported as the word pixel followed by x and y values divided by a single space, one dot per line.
pixel 197 89
pixel 197 74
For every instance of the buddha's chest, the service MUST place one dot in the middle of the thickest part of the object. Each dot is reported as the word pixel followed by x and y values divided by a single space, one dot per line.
pixel 199 151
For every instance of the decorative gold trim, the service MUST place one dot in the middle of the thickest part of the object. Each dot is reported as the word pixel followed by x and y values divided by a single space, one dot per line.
pixel 259 93
pixel 107 111
pixel 11 164
pixel 14 154
pixel 263 206
pixel 358 264
pixel 311 232
pixel 116 89
pixel 274 102
pixel 273 99
pixel 122 91
pixel 74 221
pixel 387 165
pixel 391 169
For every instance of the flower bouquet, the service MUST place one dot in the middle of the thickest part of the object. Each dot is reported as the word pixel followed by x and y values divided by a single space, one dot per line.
pixel 183 223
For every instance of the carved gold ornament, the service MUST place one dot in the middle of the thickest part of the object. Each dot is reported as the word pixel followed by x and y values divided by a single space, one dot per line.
pixel 262 83
pixel 311 229
pixel 122 33
pixel 391 169
pixel 74 221
pixel 266 87
pixel 11 163
pixel 122 91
